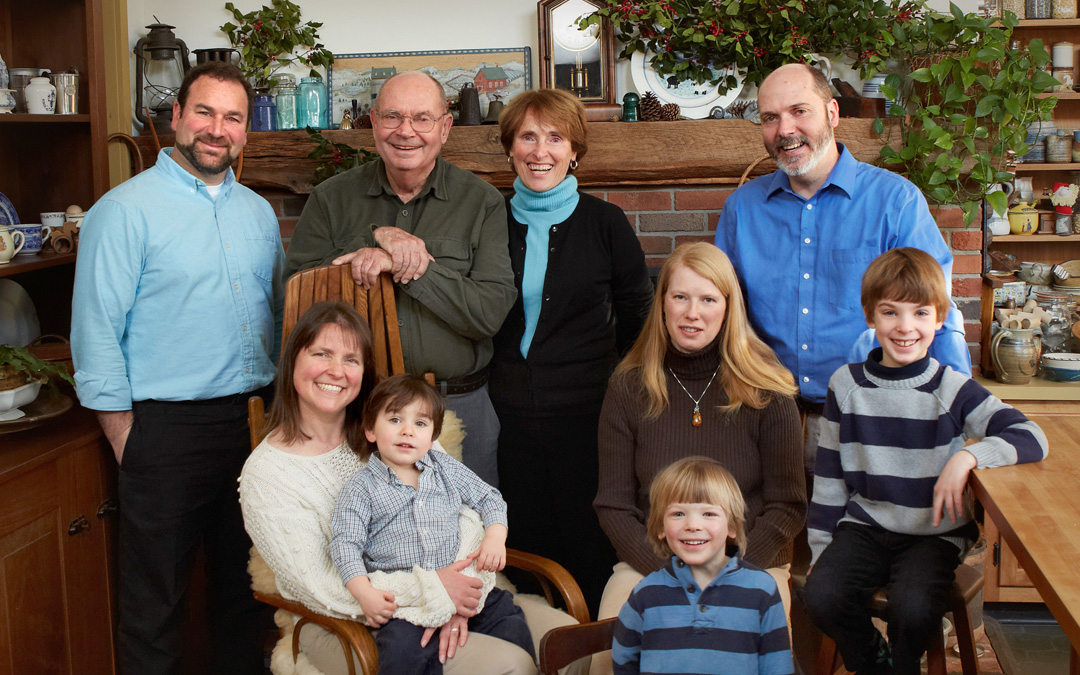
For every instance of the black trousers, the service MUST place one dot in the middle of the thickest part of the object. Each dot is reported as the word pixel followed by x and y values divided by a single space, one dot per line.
pixel 398 640
pixel 177 489
pixel 548 474
pixel 916 572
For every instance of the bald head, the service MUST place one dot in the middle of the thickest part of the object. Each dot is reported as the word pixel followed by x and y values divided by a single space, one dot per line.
pixel 800 74
pixel 420 85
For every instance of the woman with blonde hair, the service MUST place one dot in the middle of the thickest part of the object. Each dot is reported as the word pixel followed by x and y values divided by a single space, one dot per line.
pixel 699 381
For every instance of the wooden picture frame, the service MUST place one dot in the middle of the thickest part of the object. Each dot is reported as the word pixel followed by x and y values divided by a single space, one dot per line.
pixel 570 56
pixel 495 72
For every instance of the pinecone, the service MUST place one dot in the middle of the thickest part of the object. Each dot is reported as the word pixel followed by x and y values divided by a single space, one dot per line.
pixel 669 112
pixel 649 109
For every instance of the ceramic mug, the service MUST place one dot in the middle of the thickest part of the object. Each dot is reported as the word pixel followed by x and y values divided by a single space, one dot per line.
pixel 8 247
pixel 34 236
pixel 53 219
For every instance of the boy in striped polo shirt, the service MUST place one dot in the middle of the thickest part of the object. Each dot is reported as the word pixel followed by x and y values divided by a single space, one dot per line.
pixel 892 464
pixel 707 611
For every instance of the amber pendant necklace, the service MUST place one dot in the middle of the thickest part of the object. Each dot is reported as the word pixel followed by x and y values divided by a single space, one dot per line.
pixel 696 419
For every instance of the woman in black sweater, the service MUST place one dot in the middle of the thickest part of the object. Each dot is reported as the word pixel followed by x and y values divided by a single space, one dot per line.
pixel 583 294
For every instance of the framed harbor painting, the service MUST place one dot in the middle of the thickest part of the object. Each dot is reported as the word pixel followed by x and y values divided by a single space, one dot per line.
pixel 354 80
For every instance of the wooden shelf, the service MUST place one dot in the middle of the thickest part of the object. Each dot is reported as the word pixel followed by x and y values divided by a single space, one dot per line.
pixel 1061 95
pixel 1036 390
pixel 1047 23
pixel 1006 238
pixel 1036 166
pixel 28 263
pixel 23 118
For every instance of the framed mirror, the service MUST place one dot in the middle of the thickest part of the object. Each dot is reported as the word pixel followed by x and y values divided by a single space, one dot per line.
pixel 581 61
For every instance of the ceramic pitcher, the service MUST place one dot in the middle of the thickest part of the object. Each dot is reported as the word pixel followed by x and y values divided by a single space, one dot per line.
pixel 1015 354
pixel 8 247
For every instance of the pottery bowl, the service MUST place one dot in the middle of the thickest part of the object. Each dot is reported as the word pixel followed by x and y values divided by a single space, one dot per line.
pixel 1062 361
pixel 13 398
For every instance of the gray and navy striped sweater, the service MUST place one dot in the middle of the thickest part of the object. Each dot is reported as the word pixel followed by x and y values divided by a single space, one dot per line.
pixel 888 432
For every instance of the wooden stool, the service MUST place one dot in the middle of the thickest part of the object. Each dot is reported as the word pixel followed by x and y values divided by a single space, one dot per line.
pixel 968 583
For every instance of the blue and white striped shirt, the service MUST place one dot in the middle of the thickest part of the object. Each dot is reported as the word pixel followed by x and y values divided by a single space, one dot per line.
pixel 734 626
pixel 380 523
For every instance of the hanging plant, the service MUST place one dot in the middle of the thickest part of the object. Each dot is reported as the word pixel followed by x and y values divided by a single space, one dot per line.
pixel 267 39
pixel 965 106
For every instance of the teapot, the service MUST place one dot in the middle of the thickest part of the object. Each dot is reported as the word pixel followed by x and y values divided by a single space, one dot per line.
pixel 998 223
pixel 1015 355
pixel 1023 218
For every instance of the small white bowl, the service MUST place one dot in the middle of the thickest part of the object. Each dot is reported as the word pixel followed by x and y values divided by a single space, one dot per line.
pixel 13 398
pixel 1062 361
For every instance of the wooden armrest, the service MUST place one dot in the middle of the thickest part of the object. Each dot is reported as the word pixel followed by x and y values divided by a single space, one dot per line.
pixel 551 573
pixel 353 635
pixel 563 645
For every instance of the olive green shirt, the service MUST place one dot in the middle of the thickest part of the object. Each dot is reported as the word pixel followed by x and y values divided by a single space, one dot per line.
pixel 449 315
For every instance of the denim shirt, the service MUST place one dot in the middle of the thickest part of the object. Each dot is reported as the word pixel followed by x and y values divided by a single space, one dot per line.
pixel 177 295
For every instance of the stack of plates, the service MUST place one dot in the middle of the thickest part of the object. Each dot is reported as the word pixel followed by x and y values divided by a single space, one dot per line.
pixel 1061 367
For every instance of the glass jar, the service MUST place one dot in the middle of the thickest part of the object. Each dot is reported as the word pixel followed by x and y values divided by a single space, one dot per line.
pixel 1056 331
pixel 264 116
pixel 286 101
pixel 312 109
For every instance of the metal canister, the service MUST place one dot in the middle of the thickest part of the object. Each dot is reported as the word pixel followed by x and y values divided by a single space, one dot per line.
pixel 67 92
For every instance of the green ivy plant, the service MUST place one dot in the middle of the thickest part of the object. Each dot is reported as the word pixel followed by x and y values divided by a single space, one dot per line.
pixel 965 107
pixel 334 157
pixel 267 39
pixel 696 39
pixel 22 361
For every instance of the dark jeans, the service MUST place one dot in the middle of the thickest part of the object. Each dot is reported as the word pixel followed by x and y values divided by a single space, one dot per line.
pixel 916 573
pixel 398 641
pixel 177 489
pixel 548 474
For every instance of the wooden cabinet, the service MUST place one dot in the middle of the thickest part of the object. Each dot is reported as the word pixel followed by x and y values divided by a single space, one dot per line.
pixel 1048 248
pixel 57 532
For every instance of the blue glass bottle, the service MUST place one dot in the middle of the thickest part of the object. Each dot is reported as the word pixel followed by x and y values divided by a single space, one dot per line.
pixel 313 101
pixel 264 117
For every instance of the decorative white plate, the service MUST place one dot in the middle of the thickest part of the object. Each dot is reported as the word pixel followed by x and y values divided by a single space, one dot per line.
pixel 695 100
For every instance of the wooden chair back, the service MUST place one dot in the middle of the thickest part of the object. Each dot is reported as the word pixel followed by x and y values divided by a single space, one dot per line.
pixel 563 645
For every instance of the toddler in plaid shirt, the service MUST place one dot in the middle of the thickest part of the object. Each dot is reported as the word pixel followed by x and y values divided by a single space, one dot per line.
pixel 402 511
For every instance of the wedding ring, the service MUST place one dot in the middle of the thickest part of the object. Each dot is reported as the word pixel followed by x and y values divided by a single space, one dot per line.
pixel 453 630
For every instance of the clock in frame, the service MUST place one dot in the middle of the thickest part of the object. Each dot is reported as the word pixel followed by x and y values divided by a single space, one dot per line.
pixel 581 61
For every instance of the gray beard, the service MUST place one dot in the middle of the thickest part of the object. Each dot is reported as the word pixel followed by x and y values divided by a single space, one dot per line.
pixel 811 162
pixel 188 151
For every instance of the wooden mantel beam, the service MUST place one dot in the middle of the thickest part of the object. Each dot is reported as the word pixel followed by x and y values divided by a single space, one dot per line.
pixel 690 152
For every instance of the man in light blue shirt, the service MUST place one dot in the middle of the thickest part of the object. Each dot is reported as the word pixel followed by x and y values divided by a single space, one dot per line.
pixel 800 239
pixel 176 320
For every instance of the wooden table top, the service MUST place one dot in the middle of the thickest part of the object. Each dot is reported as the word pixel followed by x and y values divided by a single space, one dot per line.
pixel 1037 508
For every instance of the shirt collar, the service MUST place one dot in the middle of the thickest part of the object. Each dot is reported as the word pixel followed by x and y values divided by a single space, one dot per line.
pixel 435 183
pixel 842 176
pixel 176 172
pixel 384 472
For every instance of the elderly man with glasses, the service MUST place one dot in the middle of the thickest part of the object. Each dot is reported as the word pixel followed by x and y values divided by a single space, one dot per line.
pixel 441 232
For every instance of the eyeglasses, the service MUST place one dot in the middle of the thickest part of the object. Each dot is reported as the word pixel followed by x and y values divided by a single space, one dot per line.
pixel 421 123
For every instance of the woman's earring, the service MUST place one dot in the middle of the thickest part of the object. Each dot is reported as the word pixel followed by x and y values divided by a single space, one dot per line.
pixel 509 159
pixel 573 165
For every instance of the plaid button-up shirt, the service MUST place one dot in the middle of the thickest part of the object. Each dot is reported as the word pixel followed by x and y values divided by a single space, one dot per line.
pixel 380 523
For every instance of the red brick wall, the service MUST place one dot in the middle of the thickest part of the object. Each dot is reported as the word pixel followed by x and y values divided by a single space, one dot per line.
pixel 667 217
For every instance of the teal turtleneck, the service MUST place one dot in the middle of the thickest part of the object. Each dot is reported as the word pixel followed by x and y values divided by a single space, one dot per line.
pixel 539 211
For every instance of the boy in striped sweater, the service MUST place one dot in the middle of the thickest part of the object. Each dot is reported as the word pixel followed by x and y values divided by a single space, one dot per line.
pixel 707 611
pixel 889 507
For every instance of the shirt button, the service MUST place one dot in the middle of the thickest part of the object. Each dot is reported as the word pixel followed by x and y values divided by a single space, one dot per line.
pixel 806 379
pixel 809 207
pixel 806 241
pixel 805 347
pixel 227 246
pixel 805 310
pixel 247 370
pixel 401 322
pixel 690 588
pixel 806 275
pixel 236 286
pixel 554 228
pixel 405 212
pixel 701 607
pixel 552 249
pixel 245 328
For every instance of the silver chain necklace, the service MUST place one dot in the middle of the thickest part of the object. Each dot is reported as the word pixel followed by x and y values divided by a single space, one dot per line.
pixel 696 419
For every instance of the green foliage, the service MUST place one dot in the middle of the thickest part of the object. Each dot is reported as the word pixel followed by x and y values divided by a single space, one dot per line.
pixel 267 38
pixel 335 157
pixel 692 38
pixel 964 106
pixel 25 362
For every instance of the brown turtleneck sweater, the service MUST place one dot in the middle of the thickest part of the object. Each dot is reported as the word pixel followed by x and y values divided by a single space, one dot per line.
pixel 761 448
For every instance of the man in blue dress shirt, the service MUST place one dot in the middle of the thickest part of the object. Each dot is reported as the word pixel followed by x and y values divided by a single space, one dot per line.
pixel 800 239
pixel 176 319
